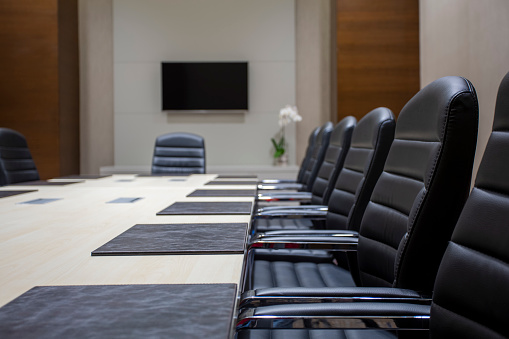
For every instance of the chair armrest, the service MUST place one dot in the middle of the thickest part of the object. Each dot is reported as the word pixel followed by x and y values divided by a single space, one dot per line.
pixel 277 181
pixel 298 207
pixel 389 316
pixel 329 242
pixel 306 233
pixel 320 295
pixel 287 196
pixel 282 186
pixel 291 214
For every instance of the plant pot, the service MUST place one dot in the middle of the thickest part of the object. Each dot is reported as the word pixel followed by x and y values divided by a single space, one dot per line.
pixel 281 161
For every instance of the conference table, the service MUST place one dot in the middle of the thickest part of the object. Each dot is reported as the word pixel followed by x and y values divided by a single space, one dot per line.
pixel 58 277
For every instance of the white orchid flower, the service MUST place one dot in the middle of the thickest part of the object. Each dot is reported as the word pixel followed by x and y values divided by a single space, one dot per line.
pixel 288 114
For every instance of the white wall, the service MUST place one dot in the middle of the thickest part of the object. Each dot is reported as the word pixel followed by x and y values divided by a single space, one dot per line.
pixel 147 32
pixel 469 38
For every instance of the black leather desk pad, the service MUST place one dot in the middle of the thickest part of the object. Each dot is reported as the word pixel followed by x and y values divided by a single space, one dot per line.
pixel 47 183
pixel 222 193
pixel 207 208
pixel 121 311
pixel 160 239
pixel 237 176
pixel 5 194
pixel 84 176
pixel 225 182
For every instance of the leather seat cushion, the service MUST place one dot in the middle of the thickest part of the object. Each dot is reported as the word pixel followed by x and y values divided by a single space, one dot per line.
pixel 293 255
pixel 298 274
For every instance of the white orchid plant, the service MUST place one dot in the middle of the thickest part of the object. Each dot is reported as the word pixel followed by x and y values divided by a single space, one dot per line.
pixel 287 115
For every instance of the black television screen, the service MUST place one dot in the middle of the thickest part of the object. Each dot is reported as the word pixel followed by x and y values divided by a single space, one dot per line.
pixel 204 86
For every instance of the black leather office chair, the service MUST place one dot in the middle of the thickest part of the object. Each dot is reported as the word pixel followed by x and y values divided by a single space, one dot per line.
pixel 333 161
pixel 470 296
pixel 179 153
pixel 309 153
pixel 471 290
pixel 16 163
pixel 310 171
pixel 363 164
pixel 328 170
pixel 303 165
pixel 411 214
pixel 330 167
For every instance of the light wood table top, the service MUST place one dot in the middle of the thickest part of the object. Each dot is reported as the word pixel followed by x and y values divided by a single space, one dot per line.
pixel 50 244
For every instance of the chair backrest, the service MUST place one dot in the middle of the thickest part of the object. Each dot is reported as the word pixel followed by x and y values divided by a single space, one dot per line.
pixel 371 140
pixel 471 290
pixel 307 157
pixel 335 154
pixel 322 141
pixel 421 191
pixel 179 153
pixel 16 163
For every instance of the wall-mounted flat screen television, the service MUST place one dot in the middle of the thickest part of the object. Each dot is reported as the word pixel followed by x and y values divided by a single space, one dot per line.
pixel 204 86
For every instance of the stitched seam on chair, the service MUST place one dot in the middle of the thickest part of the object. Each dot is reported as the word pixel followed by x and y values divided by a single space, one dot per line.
pixel 403 175
pixel 430 180
pixel 474 96
pixel 380 242
pixel 390 207
pixel 346 192
pixel 335 212
pixel 501 261
pixel 360 147
pixel 345 189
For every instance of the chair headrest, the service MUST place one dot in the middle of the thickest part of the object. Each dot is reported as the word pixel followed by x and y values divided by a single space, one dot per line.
pixel 180 139
pixel 424 116
pixel 12 138
pixel 364 134
pixel 343 129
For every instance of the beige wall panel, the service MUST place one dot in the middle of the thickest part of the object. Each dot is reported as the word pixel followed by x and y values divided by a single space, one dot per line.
pixel 467 38
pixel 96 84
pixel 313 63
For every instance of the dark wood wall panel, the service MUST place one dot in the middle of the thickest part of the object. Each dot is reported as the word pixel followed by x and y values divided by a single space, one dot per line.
pixel 30 99
pixel 69 86
pixel 377 54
